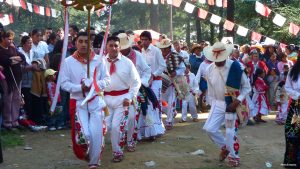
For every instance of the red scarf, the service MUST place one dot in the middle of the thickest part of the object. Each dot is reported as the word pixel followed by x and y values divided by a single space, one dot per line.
pixel 81 59
pixel 113 67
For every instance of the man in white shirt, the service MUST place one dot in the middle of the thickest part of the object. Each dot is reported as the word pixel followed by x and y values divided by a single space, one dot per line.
pixel 227 88
pixel 86 119
pixel 157 64
pixel 177 46
pixel 145 73
pixel 119 95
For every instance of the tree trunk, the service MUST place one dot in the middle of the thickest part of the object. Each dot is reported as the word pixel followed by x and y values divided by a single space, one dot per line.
pixel 198 28
pixel 188 32
pixel 221 31
pixel 154 19
pixel 212 27
pixel 230 15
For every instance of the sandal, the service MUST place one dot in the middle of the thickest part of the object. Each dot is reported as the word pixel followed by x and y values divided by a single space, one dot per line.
pixel 223 154
pixel 93 167
pixel 233 163
pixel 118 158
pixel 130 148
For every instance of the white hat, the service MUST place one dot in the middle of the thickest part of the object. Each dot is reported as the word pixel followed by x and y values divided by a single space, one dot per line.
pixel 164 43
pixel 125 41
pixel 49 72
pixel 218 52
pixel 24 34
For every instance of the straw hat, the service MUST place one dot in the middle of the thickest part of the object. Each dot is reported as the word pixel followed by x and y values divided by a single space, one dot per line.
pixel 49 72
pixel 125 41
pixel 164 43
pixel 195 46
pixel 218 52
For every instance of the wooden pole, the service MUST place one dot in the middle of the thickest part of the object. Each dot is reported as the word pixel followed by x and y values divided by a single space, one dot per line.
pixel 89 40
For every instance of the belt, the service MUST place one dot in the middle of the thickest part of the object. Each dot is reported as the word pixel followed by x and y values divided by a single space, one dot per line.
pixel 116 92
pixel 157 78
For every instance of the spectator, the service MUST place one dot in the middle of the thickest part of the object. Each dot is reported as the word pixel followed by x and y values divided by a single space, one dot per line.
pixel 51 42
pixel 195 58
pixel 47 33
pixel 60 34
pixel 284 61
pixel 39 47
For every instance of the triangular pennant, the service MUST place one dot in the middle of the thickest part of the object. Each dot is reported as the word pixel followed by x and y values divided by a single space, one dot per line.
pixel 148 1
pixel 53 13
pixel 36 9
pixel 202 13
pixel 256 36
pixel 202 1
pixel 279 20
pixel 48 12
pixel 42 10
pixel 228 25
pixel 169 2
pixel 29 5
pixel 211 2
pixel 155 2
pixel 242 31
pixel 23 4
pixel 224 3
pixel 177 3
pixel 269 41
pixel 294 29
pixel 219 3
pixel 189 7
pixel 215 19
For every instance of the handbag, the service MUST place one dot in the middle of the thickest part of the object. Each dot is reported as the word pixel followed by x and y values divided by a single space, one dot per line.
pixel 22 101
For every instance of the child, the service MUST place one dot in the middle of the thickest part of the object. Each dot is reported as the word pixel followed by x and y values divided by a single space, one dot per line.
pixel 272 79
pixel 55 119
pixel 259 99
pixel 282 100
pixel 191 99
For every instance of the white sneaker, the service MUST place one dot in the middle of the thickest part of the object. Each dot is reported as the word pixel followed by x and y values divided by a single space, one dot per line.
pixel 52 129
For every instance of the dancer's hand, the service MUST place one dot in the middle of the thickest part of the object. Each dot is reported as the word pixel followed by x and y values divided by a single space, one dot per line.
pixel 232 107
pixel 85 88
pixel 126 102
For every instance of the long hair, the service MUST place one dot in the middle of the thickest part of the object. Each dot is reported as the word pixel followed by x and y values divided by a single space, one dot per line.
pixel 257 73
pixel 294 74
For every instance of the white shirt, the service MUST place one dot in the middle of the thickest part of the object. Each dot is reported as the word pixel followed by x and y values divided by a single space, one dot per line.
pixel 292 88
pixel 216 84
pixel 28 56
pixel 143 69
pixel 193 83
pixel 184 55
pixel 73 72
pixel 125 77
pixel 202 71
pixel 154 59
pixel 40 50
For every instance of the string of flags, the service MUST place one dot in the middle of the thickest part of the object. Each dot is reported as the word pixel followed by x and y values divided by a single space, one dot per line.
pixel 37 9
pixel 279 20
pixel 177 3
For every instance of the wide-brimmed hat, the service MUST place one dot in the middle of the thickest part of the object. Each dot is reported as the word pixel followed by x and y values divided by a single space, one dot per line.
pixel 218 52
pixel 164 43
pixel 49 72
pixel 126 41
pixel 195 46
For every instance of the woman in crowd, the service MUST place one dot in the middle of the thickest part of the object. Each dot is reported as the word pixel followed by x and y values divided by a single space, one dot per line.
pixel 292 124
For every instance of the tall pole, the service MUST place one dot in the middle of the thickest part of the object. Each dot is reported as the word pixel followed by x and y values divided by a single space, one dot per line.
pixel 89 40
pixel 171 21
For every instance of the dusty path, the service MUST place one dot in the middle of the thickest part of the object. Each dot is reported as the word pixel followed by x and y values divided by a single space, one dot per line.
pixel 52 150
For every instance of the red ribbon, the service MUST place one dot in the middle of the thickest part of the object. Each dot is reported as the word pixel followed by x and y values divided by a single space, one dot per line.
pixel 217 52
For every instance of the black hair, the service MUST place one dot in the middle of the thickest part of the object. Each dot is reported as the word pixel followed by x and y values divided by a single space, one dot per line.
pixel 115 34
pixel 52 37
pixel 81 34
pixel 113 38
pixel 75 28
pixel 295 71
pixel 58 47
pixel 92 28
pixel 257 73
pixel 146 34
pixel 34 32
pixel 1 27
pixel 122 31
pixel 97 41
pixel 24 40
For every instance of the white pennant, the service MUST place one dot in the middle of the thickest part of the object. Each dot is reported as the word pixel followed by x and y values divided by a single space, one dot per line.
pixel 53 12
pixel 202 1
pixel 142 1
pixel 269 41
pixel 189 7
pixel 215 19
pixel 279 20
pixel 29 6
pixel 42 10
pixel 259 7
pixel 5 20
pixel 9 2
pixel 169 2
pixel 219 3
pixel 16 3
pixel 242 31
pixel 155 2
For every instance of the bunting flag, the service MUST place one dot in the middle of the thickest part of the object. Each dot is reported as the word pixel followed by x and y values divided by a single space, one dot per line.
pixel 256 36
pixel 282 45
pixel 53 12
pixel 215 19
pixel 294 29
pixel 224 3
pixel 23 4
pixel 177 3
pixel 228 25
pixel 279 20
pixel 48 12
pixel 133 0
pixel 162 1
pixel 189 7
pixel 42 10
pixel 169 2
pixel 11 18
pixel 155 2
pixel 36 9
pixel 13 2
pixel 29 6
pixel 219 3
pixel 211 2
pixel 202 1
pixel 4 20
pixel 202 13
pixel 242 31
pixel 262 9
pixel 269 41
pixel 148 1
pixel 142 1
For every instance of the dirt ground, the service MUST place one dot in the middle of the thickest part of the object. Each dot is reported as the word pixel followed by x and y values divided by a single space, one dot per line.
pixel 52 150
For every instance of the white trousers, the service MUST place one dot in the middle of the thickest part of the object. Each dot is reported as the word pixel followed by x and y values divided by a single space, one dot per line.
pixel 212 126
pixel 90 117
pixel 158 124
pixel 170 97
pixel 189 102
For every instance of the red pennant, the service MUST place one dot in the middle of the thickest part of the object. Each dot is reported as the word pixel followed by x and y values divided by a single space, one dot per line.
pixel 282 45
pixel 11 18
pixel 48 11
pixel 177 3
pixel 294 29
pixel 228 25
pixel 224 3
pixel 255 36
pixel 211 2
pixel 267 11
pixel 36 9
pixel 202 13
pixel 23 4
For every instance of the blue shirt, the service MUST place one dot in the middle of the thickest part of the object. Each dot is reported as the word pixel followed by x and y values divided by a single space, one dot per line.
pixel 195 63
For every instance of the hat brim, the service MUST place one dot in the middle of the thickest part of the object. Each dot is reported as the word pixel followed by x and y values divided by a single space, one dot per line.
pixel 160 46
pixel 209 54
pixel 128 44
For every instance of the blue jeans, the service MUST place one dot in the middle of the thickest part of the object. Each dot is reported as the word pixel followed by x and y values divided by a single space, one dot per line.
pixel 65 99
pixel 56 120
